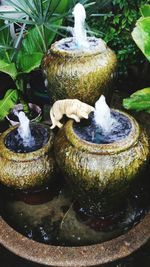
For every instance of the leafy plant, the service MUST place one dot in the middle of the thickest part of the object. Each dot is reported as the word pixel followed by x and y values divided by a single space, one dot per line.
pixel 38 23
pixel 115 28
pixel 138 101
pixel 8 102
pixel 141 33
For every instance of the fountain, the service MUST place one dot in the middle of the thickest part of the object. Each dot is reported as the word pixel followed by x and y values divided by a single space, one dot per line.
pixel 102 167
pixel 79 67
pixel 79 31
pixel 103 116
pixel 98 212
pixel 26 155
pixel 101 164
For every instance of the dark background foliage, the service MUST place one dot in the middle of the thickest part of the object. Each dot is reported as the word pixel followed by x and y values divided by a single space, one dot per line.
pixel 115 27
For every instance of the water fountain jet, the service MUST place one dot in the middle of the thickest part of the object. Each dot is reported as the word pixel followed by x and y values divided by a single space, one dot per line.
pixel 79 31
pixel 103 117
pixel 26 155
pixel 79 67
pixel 101 166
pixel 100 175
pixel 129 153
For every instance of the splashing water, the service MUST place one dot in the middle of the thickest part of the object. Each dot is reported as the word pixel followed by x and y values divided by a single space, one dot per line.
pixel 102 116
pixel 104 126
pixel 79 31
pixel 24 129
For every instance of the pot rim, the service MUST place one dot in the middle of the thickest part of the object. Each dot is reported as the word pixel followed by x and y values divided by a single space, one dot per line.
pixel 99 49
pixel 20 107
pixel 104 149
pixel 92 255
pixel 22 157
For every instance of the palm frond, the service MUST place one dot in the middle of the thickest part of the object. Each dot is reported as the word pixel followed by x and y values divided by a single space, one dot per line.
pixel 19 20
pixel 89 4
pixel 46 11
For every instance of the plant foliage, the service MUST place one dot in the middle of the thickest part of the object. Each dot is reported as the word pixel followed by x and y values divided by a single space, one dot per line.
pixel 141 33
pixel 115 28
pixel 22 52
pixel 8 102
pixel 138 101
pixel 38 23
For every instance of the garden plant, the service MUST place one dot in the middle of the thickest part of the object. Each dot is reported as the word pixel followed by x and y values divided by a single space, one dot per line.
pixel 140 100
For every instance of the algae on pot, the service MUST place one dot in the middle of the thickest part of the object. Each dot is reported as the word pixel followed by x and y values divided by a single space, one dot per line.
pixel 28 164
pixel 100 171
pixel 79 67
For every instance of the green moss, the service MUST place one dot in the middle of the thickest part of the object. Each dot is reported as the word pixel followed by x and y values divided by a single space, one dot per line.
pixel 84 77
pixel 99 179
pixel 26 170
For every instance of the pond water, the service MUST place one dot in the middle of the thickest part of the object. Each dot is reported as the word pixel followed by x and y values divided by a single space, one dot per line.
pixel 51 216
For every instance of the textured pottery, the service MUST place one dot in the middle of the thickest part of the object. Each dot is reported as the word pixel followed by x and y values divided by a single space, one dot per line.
pixel 26 170
pixel 101 175
pixel 84 75
pixel 85 256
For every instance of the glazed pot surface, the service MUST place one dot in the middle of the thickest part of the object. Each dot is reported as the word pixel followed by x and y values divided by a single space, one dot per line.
pixel 100 175
pixel 84 75
pixel 26 169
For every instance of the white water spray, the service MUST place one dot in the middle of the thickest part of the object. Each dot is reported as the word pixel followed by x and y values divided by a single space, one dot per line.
pixel 102 116
pixel 24 129
pixel 79 31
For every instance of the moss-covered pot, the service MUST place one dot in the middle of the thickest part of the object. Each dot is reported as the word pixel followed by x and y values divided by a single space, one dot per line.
pixel 27 170
pixel 101 175
pixel 84 75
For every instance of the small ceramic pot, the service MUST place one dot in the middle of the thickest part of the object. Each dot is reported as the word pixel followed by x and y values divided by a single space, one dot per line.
pixel 19 107
pixel 80 74
pixel 101 175
pixel 27 170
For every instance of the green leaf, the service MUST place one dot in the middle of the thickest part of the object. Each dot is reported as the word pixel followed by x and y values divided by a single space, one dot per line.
pixel 29 61
pixel 8 68
pixel 34 46
pixel 141 35
pixel 32 41
pixel 5 43
pixel 8 102
pixel 138 101
pixel 59 6
pixel 6 50
pixel 143 92
pixel 145 10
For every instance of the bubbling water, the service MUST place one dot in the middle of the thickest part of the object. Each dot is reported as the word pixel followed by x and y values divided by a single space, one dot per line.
pixel 103 116
pixel 79 31
pixel 104 126
pixel 80 41
pixel 24 129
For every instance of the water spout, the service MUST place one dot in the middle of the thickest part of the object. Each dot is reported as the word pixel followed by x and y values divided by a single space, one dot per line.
pixel 102 116
pixel 79 31
pixel 24 129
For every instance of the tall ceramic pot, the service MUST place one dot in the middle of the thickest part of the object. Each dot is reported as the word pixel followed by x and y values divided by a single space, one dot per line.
pixel 101 175
pixel 73 73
